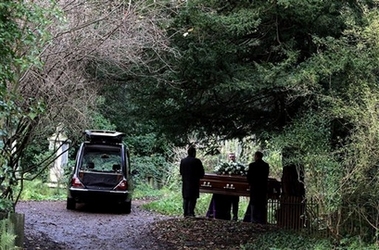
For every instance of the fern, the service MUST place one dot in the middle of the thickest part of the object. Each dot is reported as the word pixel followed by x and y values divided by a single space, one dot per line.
pixel 7 236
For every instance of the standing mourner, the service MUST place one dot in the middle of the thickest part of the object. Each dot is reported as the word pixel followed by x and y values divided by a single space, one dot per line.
pixel 192 170
pixel 257 177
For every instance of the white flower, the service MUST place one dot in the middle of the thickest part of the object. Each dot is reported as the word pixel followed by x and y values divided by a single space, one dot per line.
pixel 232 168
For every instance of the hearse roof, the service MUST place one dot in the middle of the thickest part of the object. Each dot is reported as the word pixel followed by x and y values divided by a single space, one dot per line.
pixel 103 136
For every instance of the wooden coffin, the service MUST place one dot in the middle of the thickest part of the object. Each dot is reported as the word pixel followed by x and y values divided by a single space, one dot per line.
pixel 234 185
pixel 224 184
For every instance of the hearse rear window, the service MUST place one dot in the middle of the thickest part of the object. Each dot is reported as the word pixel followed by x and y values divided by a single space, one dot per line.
pixel 101 159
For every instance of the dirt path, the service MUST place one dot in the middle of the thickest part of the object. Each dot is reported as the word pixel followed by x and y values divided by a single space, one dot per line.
pixel 48 225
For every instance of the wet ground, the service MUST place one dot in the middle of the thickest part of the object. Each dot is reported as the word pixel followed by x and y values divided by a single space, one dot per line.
pixel 48 225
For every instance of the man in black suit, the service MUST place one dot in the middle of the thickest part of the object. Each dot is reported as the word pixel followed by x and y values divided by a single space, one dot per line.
pixel 192 170
pixel 257 177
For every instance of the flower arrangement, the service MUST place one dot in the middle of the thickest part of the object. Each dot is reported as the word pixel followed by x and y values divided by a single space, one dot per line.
pixel 231 168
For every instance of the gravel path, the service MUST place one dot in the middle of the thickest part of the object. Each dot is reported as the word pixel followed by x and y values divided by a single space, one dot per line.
pixel 48 225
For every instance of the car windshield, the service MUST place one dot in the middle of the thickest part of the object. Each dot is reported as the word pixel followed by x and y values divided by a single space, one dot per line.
pixel 98 159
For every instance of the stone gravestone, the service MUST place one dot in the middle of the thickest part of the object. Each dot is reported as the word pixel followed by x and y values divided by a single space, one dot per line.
pixel 58 143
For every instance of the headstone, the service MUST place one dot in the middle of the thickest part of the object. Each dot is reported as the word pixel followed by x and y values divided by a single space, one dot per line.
pixel 58 143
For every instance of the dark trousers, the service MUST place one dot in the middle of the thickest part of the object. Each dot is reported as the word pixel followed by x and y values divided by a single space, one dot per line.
pixel 189 205
pixel 235 204
pixel 220 205
pixel 258 213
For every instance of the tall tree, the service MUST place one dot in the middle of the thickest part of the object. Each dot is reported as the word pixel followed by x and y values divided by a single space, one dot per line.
pixel 22 29
pixel 304 70
pixel 47 49
pixel 235 65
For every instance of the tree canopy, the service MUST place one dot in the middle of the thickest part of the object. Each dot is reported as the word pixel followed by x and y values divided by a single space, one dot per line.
pixel 238 68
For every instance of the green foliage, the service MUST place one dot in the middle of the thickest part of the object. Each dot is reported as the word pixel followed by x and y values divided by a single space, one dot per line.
pixel 241 68
pixel 7 235
pixel 286 240
pixel 155 167
pixel 352 243
pixel 334 141
pixel 310 137
pixel 146 144
pixel 145 191
pixel 273 156
pixel 40 164
pixel 151 157
pixel 99 121
pixel 23 28
pixel 168 204
pixel 34 154
pixel 6 206
pixel 39 190
pixel 23 35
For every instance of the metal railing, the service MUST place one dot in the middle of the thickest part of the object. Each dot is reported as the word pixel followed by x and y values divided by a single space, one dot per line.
pixel 295 213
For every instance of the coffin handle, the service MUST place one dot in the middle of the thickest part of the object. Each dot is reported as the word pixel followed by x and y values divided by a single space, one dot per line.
pixel 229 186
pixel 206 184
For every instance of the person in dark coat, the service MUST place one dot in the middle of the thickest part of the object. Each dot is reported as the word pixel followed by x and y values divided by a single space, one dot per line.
pixel 257 177
pixel 191 170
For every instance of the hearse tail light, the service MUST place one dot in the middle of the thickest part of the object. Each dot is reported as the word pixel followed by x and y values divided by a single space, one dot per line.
pixel 122 186
pixel 76 183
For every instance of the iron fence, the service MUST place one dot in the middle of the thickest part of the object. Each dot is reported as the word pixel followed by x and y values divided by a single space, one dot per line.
pixel 296 213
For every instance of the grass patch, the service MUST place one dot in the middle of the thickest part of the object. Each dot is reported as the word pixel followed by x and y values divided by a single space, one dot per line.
pixel 169 201
pixel 167 204
pixel 287 240
pixel 38 190
pixel 144 191
pixel 290 240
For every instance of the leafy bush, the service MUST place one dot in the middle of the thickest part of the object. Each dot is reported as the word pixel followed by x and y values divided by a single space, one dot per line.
pixel 155 167
pixel 38 190
pixel 6 205
pixel 352 243
pixel 7 236
pixel 287 240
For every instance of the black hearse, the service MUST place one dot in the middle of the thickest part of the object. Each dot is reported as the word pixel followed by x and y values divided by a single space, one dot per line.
pixel 102 171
